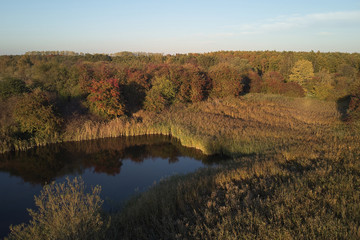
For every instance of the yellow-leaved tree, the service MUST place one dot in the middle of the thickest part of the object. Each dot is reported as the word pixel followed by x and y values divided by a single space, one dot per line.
pixel 302 73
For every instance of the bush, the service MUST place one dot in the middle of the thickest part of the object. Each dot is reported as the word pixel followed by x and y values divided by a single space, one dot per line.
pixel 65 211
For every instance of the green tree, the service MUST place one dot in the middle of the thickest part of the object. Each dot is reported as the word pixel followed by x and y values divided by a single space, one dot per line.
pixel 302 73
pixel 161 95
pixel 35 115
pixel 11 86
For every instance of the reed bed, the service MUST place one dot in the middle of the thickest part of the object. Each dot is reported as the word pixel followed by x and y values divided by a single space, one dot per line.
pixel 302 182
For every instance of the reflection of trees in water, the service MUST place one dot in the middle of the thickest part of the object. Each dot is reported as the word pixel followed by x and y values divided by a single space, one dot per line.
pixel 163 150
pixel 39 165
pixel 45 164
pixel 104 161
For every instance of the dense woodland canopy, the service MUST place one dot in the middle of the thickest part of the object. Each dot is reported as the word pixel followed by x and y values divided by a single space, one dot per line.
pixel 63 86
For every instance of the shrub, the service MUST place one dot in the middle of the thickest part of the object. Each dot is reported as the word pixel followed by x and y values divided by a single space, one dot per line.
pixel 64 211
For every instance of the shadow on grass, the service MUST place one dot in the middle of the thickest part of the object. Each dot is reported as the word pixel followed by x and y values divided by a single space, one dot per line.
pixel 342 105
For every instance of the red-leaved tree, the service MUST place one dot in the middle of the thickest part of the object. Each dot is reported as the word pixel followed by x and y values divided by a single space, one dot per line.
pixel 105 97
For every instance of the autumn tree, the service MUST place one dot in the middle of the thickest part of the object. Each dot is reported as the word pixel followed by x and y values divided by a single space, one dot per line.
pixel 105 98
pixel 191 82
pixel 274 83
pixel 302 73
pixel 227 80
pixel 137 82
pixel 200 84
pixel 322 85
pixel 255 82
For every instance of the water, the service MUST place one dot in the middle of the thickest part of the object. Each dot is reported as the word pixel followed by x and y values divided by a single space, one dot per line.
pixel 122 166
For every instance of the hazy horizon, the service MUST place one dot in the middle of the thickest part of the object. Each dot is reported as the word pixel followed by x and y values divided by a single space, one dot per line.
pixel 171 27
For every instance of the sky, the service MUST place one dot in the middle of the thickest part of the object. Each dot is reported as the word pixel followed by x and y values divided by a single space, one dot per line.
pixel 178 26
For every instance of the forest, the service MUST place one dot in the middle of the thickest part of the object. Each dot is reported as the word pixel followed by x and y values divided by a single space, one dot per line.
pixel 290 121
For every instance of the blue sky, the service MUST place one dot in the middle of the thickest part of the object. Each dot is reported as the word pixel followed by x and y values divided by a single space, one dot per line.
pixel 175 26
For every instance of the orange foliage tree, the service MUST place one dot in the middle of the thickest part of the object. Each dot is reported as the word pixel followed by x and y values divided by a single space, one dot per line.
pixel 227 80
pixel 274 83
pixel 105 97
pixel 192 84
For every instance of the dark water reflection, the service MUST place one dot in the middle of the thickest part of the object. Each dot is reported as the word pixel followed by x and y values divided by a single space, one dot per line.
pixel 122 166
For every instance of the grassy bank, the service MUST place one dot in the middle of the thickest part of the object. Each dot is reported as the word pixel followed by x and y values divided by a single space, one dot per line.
pixel 295 172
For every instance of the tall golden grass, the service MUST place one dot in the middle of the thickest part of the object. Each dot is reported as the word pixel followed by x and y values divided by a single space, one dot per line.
pixel 302 182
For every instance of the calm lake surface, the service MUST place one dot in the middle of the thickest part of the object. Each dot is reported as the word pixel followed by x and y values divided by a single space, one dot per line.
pixel 122 166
